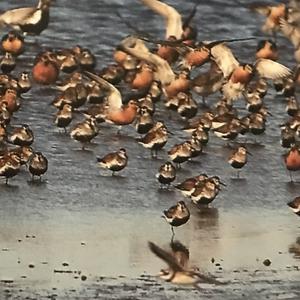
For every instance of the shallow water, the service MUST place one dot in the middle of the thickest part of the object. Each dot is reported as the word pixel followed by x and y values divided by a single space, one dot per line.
pixel 98 225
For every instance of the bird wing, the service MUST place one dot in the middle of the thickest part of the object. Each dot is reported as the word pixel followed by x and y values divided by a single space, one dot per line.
pixel 190 17
pixel 260 8
pixel 166 256
pixel 181 253
pixel 107 158
pixel 114 98
pixel 171 15
pixel 18 16
pixel 290 31
pixel 137 48
pixel 224 58
pixel 270 69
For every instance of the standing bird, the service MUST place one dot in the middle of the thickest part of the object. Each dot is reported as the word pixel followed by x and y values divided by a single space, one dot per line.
pixel 144 121
pixel 85 131
pixel 155 139
pixel 38 165
pixel 64 117
pixel 24 83
pixel 177 215
pixel 238 158
pixel 13 43
pixel 206 191
pixel 29 20
pixel 10 165
pixel 166 174
pixel 7 63
pixel 115 161
pixel 178 271
pixel 188 186
pixel 45 70
pixel 295 205
pixel 292 160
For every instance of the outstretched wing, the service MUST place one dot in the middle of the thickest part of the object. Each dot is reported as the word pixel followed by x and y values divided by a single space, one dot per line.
pixel 270 69
pixel 224 58
pixel 171 15
pixel 290 31
pixel 167 257
pixel 18 16
pixel 181 253
pixel 163 71
pixel 114 98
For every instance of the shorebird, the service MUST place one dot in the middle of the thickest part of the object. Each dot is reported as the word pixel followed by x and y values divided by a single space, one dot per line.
pixel 206 191
pixel 10 99
pixel 177 215
pixel 295 205
pixel 22 136
pixel 187 187
pixel 292 160
pixel 205 84
pixel 45 70
pixel 116 113
pixel 114 161
pixel 178 271
pixel 24 153
pixel 288 136
pixel 272 14
pixel 24 83
pixel 238 76
pixel 155 139
pixel 238 158
pixel 13 43
pixel 187 106
pixel 166 174
pixel 85 131
pixel 64 117
pixel 9 165
pixel 38 165
pixel 267 49
pixel 29 20
pixel 7 63
pixel 144 121
pixel 180 153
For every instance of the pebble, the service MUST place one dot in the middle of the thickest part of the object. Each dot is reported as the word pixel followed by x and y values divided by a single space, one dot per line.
pixel 267 262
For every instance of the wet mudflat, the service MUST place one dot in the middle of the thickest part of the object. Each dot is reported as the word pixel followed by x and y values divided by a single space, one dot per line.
pixel 82 234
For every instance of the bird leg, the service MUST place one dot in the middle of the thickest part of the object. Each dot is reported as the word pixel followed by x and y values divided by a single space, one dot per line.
pixel 173 234
pixel 291 177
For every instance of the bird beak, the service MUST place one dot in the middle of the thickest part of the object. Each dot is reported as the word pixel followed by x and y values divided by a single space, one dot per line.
pixel 249 153
pixel 223 183
pixel 169 132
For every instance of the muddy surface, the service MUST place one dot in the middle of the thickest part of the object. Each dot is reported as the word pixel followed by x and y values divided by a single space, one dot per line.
pixel 82 234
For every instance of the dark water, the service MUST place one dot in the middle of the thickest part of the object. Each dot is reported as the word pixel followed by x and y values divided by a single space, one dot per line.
pixel 100 225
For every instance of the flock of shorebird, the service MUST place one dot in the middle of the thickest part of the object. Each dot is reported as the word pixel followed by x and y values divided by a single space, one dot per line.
pixel 156 70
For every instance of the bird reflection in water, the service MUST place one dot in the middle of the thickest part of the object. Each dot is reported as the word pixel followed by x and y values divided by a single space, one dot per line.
pixel 205 217
pixel 295 248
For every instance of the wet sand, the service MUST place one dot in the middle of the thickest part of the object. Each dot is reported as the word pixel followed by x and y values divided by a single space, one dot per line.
pixel 82 234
